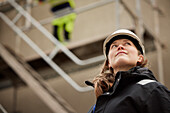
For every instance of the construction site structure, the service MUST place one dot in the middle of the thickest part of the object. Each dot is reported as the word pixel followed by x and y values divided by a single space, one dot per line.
pixel 39 74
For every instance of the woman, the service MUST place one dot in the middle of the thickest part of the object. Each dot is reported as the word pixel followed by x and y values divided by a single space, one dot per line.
pixel 124 84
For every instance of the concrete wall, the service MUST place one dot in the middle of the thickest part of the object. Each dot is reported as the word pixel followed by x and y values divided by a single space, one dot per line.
pixel 95 23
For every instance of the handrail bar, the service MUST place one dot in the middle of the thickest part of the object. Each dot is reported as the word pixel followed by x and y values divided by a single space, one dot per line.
pixel 3 109
pixel 78 10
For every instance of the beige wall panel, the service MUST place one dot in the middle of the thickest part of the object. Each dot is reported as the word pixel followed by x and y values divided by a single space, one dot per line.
pixel 41 11
pixel 7 36
pixel 29 102
pixel 38 38
pixel 81 3
pixel 147 14
pixel 152 63
pixel 6 98
pixel 99 22
pixel 146 11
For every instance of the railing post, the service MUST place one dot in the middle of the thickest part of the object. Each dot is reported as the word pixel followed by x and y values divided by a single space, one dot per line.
pixel 28 9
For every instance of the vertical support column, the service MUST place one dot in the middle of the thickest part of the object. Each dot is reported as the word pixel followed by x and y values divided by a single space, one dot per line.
pixel 117 14
pixel 15 99
pixel 17 44
pixel 28 9
pixel 158 45
pixel 139 22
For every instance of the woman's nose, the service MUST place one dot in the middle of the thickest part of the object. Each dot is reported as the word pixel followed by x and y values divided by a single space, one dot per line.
pixel 120 47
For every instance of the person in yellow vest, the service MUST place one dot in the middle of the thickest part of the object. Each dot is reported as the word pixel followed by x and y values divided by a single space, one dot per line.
pixel 63 26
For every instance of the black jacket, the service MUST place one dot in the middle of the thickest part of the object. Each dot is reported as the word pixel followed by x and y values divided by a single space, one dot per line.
pixel 134 91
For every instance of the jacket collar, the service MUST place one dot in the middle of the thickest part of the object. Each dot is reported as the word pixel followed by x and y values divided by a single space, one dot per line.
pixel 135 74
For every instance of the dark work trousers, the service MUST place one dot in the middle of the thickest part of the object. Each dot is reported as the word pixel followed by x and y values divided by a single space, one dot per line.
pixel 56 35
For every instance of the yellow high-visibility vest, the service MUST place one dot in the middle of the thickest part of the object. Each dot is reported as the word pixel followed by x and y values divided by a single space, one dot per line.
pixel 68 20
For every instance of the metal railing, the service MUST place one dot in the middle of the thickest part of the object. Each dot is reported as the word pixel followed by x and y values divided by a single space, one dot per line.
pixel 79 10
pixel 72 56
pixel 43 55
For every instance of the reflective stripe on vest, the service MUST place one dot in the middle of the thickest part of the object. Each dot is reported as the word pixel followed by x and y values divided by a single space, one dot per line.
pixel 145 81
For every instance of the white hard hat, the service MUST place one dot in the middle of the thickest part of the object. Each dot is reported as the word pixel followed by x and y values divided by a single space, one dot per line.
pixel 121 34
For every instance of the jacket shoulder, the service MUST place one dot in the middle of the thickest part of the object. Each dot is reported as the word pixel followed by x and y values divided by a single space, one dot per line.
pixel 149 84
pixel 160 94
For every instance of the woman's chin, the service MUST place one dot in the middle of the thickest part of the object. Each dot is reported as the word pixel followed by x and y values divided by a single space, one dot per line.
pixel 121 61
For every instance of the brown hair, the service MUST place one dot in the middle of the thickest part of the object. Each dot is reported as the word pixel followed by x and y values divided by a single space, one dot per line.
pixel 104 81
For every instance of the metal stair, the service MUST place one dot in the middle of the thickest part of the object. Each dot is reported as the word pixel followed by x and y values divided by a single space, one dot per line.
pixel 55 41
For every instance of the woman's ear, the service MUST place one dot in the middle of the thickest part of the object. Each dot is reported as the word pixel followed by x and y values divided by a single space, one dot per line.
pixel 140 59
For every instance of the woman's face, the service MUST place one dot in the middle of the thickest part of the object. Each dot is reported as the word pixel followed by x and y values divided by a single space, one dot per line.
pixel 123 52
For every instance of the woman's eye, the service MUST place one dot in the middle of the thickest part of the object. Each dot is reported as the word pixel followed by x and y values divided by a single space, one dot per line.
pixel 113 46
pixel 127 43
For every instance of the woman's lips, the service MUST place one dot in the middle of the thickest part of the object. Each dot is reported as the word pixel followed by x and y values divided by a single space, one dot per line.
pixel 120 52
